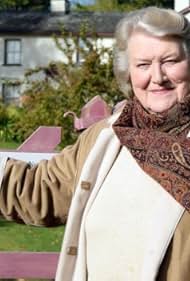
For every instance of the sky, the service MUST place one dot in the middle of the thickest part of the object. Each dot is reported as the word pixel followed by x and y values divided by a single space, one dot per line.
pixel 84 2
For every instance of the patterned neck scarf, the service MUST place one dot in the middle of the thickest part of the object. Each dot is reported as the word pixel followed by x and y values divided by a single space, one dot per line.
pixel 160 145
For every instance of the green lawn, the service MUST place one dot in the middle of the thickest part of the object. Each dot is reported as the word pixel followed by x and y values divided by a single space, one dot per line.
pixel 18 237
pixel 8 145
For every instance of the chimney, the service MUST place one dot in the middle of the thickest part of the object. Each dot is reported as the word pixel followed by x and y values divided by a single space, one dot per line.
pixel 60 6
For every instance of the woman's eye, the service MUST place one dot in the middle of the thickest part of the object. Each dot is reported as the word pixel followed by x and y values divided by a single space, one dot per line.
pixel 143 65
pixel 170 62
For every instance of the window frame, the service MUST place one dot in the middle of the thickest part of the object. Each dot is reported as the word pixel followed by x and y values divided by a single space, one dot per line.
pixel 11 98
pixel 79 56
pixel 6 41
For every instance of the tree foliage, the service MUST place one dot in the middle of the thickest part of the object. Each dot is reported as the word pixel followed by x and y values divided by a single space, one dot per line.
pixel 67 86
pixel 8 117
pixel 23 4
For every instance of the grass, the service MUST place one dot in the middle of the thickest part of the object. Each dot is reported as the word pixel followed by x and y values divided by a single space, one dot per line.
pixel 18 237
pixel 8 145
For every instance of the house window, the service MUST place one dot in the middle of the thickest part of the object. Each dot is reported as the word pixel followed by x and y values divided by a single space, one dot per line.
pixel 11 93
pixel 13 52
pixel 81 47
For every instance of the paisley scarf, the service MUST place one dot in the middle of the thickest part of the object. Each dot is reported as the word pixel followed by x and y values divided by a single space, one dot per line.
pixel 160 145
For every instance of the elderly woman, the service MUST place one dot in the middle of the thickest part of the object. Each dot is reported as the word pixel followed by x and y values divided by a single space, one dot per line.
pixel 130 175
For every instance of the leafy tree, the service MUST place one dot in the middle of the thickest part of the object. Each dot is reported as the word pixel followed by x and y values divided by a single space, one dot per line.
pixel 67 87
pixel 23 4
pixel 145 3
pixel 8 115
pixel 3 121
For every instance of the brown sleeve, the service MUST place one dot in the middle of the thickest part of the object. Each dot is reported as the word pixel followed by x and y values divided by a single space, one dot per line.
pixel 41 194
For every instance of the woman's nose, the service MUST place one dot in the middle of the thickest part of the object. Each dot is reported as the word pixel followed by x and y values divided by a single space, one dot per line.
pixel 158 74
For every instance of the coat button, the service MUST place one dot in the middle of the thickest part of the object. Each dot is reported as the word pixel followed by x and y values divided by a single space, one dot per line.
pixel 85 185
pixel 72 251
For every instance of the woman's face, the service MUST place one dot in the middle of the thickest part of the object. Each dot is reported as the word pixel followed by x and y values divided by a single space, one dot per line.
pixel 159 71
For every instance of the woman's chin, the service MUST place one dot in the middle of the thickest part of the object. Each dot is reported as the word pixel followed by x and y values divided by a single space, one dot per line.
pixel 160 108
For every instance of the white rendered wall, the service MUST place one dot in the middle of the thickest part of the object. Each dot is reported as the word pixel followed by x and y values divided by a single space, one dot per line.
pixel 179 5
pixel 57 5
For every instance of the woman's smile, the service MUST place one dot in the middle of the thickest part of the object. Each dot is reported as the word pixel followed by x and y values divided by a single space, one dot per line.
pixel 162 91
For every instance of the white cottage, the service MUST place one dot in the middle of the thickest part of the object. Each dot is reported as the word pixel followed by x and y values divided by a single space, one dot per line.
pixel 183 6
pixel 26 39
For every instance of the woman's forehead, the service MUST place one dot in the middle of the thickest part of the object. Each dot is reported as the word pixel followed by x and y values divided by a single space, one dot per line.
pixel 141 43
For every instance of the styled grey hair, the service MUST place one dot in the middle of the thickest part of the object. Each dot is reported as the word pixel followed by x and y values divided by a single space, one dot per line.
pixel 156 21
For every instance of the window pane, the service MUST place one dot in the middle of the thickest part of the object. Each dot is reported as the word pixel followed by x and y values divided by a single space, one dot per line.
pixel 10 58
pixel 10 46
pixel 17 58
pixel 17 46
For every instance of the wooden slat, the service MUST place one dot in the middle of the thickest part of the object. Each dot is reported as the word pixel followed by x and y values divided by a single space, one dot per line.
pixel 44 139
pixel 28 265
pixel 31 157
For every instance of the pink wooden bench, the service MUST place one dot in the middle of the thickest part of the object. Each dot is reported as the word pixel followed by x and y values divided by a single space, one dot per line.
pixel 40 145
pixel 28 265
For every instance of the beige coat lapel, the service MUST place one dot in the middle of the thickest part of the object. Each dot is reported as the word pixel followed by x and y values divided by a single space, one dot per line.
pixel 94 171
pixel 109 157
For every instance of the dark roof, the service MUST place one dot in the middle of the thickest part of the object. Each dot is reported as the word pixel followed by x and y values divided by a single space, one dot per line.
pixel 46 23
